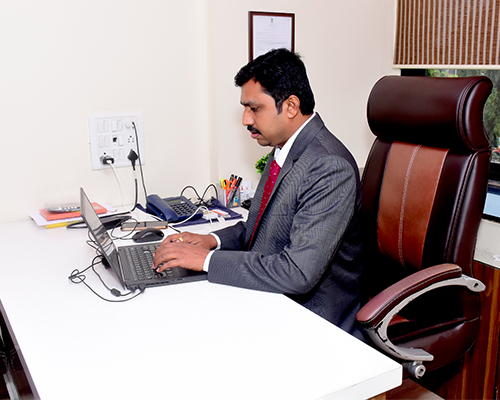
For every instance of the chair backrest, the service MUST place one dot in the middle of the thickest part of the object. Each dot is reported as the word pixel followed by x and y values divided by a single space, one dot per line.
pixel 425 180
pixel 424 188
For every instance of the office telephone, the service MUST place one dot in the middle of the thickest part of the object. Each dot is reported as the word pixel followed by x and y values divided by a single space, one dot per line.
pixel 172 209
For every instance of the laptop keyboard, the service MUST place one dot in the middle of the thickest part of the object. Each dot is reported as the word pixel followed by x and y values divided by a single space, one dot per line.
pixel 141 257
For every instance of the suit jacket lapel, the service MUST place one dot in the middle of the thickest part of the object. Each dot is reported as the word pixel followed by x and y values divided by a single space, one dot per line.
pixel 301 143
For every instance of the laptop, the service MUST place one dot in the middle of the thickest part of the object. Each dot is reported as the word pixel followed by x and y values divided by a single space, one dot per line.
pixel 132 265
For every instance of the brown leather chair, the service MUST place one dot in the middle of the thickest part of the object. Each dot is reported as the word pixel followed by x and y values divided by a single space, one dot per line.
pixel 424 188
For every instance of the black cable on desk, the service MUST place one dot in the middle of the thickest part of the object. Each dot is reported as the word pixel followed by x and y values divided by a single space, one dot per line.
pixel 78 277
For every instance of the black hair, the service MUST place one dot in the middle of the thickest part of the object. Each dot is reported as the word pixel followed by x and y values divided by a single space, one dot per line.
pixel 281 73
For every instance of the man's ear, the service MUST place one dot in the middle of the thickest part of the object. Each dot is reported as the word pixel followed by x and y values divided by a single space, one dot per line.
pixel 292 106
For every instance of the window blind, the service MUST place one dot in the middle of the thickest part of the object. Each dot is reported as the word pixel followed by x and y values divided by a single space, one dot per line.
pixel 447 33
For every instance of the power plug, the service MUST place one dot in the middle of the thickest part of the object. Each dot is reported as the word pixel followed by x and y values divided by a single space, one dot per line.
pixel 107 160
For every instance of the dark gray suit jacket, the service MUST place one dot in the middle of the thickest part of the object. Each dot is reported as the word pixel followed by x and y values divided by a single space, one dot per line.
pixel 308 244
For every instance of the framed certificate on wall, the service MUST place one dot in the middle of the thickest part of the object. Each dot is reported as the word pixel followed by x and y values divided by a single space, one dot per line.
pixel 270 30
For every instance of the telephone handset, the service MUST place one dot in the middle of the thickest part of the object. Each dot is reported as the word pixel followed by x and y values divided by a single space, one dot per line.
pixel 172 209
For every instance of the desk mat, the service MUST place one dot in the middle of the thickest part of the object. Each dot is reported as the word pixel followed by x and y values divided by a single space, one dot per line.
pixel 216 204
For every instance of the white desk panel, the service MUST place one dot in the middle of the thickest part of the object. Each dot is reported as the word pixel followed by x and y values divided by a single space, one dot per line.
pixel 488 243
pixel 186 341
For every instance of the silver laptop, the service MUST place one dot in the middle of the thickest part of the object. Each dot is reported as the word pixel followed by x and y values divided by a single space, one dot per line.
pixel 131 264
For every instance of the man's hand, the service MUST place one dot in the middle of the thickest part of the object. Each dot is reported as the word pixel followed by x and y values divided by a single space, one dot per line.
pixel 206 241
pixel 185 250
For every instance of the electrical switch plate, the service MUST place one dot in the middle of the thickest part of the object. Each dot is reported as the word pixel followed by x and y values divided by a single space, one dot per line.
pixel 114 135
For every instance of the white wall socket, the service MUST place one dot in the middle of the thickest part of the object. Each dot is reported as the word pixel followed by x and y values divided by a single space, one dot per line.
pixel 114 135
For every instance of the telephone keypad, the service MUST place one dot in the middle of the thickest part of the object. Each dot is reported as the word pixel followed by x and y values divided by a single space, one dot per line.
pixel 184 209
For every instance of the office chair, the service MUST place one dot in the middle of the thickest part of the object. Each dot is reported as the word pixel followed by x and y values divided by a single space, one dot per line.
pixel 424 188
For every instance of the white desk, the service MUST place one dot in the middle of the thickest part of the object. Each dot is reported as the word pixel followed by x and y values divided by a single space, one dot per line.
pixel 187 341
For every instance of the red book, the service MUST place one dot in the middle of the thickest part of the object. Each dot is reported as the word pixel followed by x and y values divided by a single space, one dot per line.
pixel 52 216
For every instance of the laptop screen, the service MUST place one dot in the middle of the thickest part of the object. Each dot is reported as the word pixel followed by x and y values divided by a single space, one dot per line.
pixel 99 232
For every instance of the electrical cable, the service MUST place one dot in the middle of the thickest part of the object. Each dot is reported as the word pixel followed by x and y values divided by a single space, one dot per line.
pixel 206 190
pixel 119 184
pixel 126 236
pixel 135 186
pixel 139 157
pixel 136 193
pixel 194 190
pixel 78 277
pixel 201 199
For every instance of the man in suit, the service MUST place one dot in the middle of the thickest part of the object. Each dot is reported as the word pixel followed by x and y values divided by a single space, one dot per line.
pixel 302 237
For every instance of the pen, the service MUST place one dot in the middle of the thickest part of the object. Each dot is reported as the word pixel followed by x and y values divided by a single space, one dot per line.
pixel 58 224
pixel 236 186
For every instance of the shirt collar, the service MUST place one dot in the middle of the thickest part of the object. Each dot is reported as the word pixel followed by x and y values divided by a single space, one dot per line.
pixel 280 155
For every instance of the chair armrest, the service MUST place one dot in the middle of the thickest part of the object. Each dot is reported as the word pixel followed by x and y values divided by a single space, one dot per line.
pixel 376 315
pixel 376 309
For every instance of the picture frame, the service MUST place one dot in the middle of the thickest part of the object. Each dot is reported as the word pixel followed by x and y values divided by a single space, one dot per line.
pixel 270 30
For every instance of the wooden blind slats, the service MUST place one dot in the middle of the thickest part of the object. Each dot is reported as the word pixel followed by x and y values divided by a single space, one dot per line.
pixel 433 33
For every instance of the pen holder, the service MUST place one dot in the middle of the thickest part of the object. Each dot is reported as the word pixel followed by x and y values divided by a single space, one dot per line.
pixel 228 199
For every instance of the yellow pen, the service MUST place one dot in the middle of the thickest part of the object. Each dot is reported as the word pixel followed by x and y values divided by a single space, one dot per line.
pixel 58 224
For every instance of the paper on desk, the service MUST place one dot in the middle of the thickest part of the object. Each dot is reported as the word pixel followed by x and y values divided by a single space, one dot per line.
pixel 41 221
pixel 215 214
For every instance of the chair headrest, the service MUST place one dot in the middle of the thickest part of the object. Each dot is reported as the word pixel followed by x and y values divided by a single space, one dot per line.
pixel 436 112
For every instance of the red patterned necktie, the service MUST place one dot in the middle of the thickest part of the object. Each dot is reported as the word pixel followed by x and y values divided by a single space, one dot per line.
pixel 271 180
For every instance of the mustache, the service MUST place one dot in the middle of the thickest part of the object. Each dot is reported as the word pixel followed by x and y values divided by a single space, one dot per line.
pixel 253 130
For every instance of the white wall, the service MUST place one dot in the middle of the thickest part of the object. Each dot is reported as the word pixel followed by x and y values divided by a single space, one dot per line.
pixel 174 62
pixel 346 46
